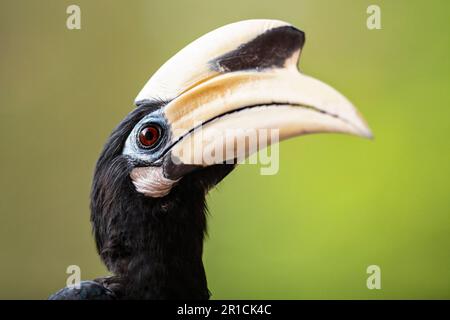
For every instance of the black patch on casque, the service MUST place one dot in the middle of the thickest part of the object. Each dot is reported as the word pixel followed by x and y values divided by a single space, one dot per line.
pixel 268 50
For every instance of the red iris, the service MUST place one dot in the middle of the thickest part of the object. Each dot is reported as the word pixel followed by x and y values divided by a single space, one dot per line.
pixel 149 136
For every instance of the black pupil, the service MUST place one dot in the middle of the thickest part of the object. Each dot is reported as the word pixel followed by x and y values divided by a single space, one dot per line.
pixel 149 134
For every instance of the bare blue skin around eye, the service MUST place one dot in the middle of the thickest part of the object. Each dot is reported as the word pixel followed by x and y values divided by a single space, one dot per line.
pixel 147 156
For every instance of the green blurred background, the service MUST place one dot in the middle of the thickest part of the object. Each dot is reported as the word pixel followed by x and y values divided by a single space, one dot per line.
pixel 338 204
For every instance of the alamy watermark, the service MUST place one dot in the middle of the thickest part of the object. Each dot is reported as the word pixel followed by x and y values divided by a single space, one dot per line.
pixel 374 280
pixel 74 278
pixel 73 21
pixel 373 21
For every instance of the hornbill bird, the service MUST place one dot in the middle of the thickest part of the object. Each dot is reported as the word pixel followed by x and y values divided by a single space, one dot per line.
pixel 148 208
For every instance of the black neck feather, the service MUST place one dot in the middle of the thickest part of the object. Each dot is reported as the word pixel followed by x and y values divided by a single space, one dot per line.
pixel 153 246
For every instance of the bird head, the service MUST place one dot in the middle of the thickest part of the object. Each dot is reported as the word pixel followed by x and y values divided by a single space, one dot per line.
pixel 237 79
pixel 183 137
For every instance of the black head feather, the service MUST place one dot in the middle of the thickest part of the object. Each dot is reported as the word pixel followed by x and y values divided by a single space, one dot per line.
pixel 152 245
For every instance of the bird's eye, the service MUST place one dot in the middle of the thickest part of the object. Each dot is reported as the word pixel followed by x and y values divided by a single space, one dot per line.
pixel 149 135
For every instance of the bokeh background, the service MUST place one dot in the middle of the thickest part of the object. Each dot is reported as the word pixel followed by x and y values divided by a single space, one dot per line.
pixel 338 204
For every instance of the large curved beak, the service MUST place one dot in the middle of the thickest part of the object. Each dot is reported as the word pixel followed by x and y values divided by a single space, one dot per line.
pixel 211 120
pixel 248 91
